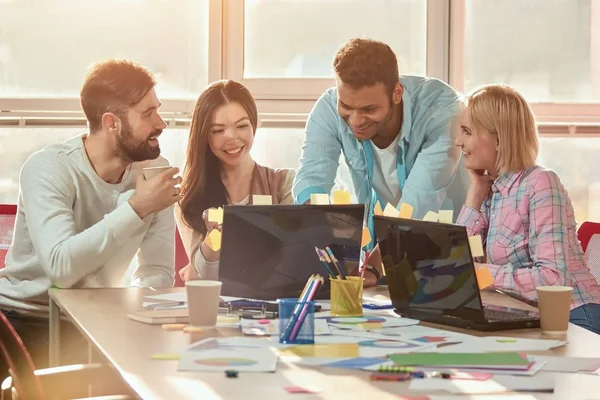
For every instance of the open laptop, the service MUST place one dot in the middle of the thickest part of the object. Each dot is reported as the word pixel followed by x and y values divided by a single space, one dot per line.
pixel 268 252
pixel 431 276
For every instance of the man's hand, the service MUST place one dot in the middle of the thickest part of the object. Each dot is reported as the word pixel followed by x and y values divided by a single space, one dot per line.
pixel 188 273
pixel 157 193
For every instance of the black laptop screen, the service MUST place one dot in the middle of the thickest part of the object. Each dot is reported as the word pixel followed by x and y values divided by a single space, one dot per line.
pixel 429 267
pixel 268 252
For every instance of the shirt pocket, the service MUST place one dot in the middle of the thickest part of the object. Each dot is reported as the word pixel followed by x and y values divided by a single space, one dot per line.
pixel 511 231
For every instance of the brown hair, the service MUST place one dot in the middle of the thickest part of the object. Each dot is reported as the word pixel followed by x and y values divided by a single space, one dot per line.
pixel 364 62
pixel 502 111
pixel 202 187
pixel 113 86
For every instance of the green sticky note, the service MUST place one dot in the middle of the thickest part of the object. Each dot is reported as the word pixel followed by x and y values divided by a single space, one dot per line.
pixel 458 359
pixel 506 340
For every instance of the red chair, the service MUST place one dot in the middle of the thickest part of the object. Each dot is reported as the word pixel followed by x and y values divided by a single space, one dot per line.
pixel 68 382
pixel 181 258
pixel 586 231
pixel 8 214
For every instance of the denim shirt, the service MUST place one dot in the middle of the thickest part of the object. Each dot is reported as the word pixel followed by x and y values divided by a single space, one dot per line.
pixel 428 162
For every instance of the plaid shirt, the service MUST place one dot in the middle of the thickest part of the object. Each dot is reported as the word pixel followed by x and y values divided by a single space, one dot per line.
pixel 528 226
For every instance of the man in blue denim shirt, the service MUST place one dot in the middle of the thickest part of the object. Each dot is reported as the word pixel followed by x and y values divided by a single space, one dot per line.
pixel 395 134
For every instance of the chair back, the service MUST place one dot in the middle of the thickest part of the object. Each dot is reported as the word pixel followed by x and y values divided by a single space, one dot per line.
pixel 22 368
pixel 586 231
pixel 8 214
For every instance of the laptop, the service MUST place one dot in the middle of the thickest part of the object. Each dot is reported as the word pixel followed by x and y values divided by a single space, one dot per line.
pixel 268 252
pixel 431 277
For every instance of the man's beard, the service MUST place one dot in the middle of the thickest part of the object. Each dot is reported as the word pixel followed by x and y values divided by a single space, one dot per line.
pixel 136 150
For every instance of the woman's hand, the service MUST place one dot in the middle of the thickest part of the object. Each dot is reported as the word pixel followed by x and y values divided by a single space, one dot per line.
pixel 209 254
pixel 188 273
pixel 479 188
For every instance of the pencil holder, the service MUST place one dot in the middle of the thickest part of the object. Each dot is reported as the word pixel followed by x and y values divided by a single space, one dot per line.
pixel 346 297
pixel 296 321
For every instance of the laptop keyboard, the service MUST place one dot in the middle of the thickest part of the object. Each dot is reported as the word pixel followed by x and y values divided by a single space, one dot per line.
pixel 497 315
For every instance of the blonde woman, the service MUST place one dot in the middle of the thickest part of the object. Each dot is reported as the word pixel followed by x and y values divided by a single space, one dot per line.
pixel 520 209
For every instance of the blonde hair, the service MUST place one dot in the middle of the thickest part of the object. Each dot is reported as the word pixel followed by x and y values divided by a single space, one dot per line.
pixel 502 111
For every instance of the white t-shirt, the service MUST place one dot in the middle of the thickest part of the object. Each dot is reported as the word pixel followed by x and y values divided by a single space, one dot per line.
pixel 74 230
pixel 385 173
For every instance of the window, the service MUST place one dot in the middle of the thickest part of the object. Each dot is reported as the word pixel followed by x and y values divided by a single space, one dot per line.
pixel 302 36
pixel 47 46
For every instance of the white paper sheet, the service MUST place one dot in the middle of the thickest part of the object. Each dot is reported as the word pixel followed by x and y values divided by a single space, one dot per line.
pixel 567 364
pixel 271 327
pixel 262 360
pixel 481 397
pixel 179 296
pixel 366 322
pixel 497 384
pixel 536 367
pixel 491 344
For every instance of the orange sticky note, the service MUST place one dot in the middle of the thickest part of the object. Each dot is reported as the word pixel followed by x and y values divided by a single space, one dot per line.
pixel 262 200
pixel 193 329
pixel 406 211
pixel 377 209
pixel 213 240
pixel 431 216
pixel 366 237
pixel 173 327
pixel 484 277
pixel 390 211
pixel 341 197
pixel 446 216
pixel 215 215
pixel 319 198
pixel 476 246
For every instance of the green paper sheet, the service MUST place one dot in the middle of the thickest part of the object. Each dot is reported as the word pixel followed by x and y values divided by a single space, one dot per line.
pixel 459 359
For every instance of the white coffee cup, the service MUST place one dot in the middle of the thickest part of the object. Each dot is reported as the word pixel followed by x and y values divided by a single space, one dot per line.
pixel 151 172
pixel 203 302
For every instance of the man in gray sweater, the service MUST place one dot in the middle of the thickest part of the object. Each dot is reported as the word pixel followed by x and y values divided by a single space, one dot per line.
pixel 85 209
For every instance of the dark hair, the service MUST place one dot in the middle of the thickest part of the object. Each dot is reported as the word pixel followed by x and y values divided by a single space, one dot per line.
pixel 113 86
pixel 364 62
pixel 202 187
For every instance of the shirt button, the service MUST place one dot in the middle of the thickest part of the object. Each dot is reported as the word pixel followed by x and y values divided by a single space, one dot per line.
pixel 349 162
pixel 559 250
pixel 476 222
pixel 493 215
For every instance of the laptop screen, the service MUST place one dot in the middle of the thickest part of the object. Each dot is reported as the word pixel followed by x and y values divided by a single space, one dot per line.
pixel 268 252
pixel 429 268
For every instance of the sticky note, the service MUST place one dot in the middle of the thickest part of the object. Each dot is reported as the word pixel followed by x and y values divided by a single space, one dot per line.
pixel 262 200
pixel 431 216
pixel 162 356
pixel 406 211
pixel 476 246
pixel 377 209
pixel 213 240
pixel 341 197
pixel 366 237
pixel 484 277
pixel 319 198
pixel 506 340
pixel 446 216
pixel 299 389
pixel 370 325
pixel 192 329
pixel 173 327
pixel 390 211
pixel 215 215
pixel 348 350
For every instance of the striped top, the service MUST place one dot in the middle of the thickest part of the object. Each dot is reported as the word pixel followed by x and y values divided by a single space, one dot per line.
pixel 529 229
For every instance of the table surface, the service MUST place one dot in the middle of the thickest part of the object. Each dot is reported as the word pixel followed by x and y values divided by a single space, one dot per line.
pixel 101 315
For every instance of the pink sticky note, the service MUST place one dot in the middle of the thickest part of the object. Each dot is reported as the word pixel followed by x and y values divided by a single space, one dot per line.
pixel 299 389
pixel 264 321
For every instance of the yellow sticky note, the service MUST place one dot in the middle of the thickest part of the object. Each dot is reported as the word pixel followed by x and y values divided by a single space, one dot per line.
pixel 484 277
pixel 476 246
pixel 193 329
pixel 319 198
pixel 377 209
pixel 213 240
pixel 366 237
pixel 431 216
pixel 322 350
pixel 215 215
pixel 262 200
pixel 173 327
pixel 370 325
pixel 406 211
pixel 390 211
pixel 341 197
pixel 161 356
pixel 445 216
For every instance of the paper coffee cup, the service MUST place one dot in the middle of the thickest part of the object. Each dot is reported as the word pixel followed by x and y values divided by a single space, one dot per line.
pixel 151 172
pixel 554 303
pixel 203 302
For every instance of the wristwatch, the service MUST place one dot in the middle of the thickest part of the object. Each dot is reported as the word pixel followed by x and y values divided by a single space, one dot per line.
pixel 374 271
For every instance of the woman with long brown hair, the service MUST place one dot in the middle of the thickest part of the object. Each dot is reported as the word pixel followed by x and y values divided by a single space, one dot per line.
pixel 219 170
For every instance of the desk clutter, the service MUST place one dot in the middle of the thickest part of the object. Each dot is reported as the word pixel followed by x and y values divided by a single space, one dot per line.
pixel 383 345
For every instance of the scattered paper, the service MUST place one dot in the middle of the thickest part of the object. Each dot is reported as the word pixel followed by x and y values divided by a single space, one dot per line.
pixel 476 397
pixel 567 364
pixel 509 360
pixel 484 277
pixel 366 237
pixel 213 240
pixel 406 211
pixel 341 197
pixel 498 384
pixel 431 216
pixel 491 344
pixel 262 200
pixel 377 209
pixel 249 360
pixel 319 198
pixel 476 246
pixel 445 216
pixel 215 215
pixel 255 327
pixel 171 297
pixel 390 211
pixel 299 389
pixel 530 371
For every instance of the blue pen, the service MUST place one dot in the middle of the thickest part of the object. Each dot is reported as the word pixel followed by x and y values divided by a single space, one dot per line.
pixel 296 313
pixel 373 306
